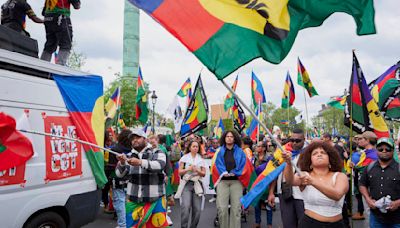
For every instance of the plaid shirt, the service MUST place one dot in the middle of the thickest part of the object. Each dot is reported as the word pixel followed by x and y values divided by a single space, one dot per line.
pixel 146 182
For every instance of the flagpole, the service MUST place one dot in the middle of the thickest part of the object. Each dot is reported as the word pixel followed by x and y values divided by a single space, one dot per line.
pixel 258 125
pixel 351 145
pixel 262 124
pixel 305 103
pixel 68 138
pixel 288 118
pixel 117 111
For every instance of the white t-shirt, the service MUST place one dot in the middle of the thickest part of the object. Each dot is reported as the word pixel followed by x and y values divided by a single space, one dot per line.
pixel 198 161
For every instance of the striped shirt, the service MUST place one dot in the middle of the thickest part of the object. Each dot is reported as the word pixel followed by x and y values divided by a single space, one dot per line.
pixel 146 182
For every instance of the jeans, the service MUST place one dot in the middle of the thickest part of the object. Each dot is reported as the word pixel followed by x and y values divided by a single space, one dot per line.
pixel 375 223
pixel 190 202
pixel 257 213
pixel 229 191
pixel 118 196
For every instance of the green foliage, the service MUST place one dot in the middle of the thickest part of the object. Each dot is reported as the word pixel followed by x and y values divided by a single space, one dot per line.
pixel 331 118
pixel 128 97
pixel 76 60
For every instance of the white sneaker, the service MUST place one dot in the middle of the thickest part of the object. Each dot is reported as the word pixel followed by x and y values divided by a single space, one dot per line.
pixel 212 200
pixel 170 223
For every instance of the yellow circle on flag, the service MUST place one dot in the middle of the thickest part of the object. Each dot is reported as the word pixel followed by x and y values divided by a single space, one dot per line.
pixel 158 219
pixel 137 213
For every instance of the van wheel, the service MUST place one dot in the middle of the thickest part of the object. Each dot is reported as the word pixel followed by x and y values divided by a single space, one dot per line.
pixel 47 219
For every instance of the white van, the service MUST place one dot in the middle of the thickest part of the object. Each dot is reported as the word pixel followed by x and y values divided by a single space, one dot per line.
pixel 56 187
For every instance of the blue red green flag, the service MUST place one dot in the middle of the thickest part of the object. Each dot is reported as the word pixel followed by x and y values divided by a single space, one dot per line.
pixel 303 79
pixel 229 99
pixel 386 92
pixel 114 103
pixel 361 110
pixel 239 117
pixel 141 106
pixel 219 129
pixel 83 98
pixel 196 115
pixel 225 35
pixel 257 91
pixel 288 95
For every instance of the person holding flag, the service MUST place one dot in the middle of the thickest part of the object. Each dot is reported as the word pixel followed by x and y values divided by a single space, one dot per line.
pixel 147 197
pixel 231 172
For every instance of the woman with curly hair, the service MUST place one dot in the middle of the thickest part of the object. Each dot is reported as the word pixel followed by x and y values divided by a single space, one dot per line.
pixel 322 184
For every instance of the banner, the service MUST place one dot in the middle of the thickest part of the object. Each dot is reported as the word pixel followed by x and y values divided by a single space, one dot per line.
pixel 63 157
pixel 15 175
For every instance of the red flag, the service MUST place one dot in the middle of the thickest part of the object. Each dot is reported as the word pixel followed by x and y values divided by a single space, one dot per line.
pixel 15 148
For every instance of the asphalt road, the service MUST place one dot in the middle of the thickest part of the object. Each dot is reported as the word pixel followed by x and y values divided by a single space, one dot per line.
pixel 207 218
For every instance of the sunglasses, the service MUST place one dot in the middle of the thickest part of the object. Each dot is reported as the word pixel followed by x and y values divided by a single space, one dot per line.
pixel 296 140
pixel 381 149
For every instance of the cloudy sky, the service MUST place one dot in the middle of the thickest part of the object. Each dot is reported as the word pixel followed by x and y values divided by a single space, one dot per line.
pixel 325 52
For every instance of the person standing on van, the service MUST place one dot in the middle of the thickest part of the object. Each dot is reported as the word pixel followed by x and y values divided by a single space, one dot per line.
pixel 13 15
pixel 58 27
pixel 146 186
pixel 118 184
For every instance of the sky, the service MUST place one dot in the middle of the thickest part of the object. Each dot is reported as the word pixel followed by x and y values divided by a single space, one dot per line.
pixel 325 51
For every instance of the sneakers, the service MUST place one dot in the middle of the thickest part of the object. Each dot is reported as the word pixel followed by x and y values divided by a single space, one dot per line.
pixel 212 200
pixel 358 216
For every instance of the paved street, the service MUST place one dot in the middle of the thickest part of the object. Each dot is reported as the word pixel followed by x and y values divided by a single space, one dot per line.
pixel 207 218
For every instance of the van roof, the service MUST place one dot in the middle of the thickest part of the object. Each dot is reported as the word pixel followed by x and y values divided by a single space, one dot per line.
pixel 17 62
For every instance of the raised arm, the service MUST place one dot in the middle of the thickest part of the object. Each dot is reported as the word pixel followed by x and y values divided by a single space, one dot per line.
pixel 290 178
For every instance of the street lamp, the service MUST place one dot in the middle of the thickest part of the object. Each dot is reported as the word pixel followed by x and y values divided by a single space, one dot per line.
pixel 153 101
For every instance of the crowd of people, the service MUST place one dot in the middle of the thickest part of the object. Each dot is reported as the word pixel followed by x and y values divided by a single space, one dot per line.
pixel 318 196
pixel 56 20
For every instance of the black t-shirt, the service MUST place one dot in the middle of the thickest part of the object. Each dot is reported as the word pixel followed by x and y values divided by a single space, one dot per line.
pixel 16 11
pixel 382 182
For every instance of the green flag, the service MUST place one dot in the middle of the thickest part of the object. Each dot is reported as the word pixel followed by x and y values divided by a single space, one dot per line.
pixel 142 110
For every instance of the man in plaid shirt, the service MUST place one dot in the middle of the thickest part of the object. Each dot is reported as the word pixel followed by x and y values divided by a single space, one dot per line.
pixel 144 169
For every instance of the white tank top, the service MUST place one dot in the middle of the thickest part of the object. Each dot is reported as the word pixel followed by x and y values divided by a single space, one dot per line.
pixel 317 202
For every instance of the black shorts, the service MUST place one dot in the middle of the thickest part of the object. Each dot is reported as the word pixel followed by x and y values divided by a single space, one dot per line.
pixel 58 33
pixel 308 222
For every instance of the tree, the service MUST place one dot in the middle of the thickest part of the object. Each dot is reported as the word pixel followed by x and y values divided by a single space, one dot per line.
pixel 128 97
pixel 329 119
pixel 76 60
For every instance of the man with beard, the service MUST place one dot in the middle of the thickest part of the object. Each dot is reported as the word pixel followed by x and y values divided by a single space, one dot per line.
pixel 290 198
pixel 146 187
pixel 380 180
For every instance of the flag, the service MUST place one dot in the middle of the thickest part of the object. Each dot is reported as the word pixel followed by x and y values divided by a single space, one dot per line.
pixel 225 35
pixel 285 122
pixel 239 118
pixel 257 91
pixel 252 130
pixel 196 115
pixel 113 103
pixel 175 176
pixel 83 98
pixel 298 118
pixel 244 170
pixel 303 79
pixel 174 110
pixel 272 170
pixel 15 148
pixel 148 215
pixel 186 87
pixel 288 95
pixel 338 102
pixel 229 99
pixel 141 106
pixel 219 129
pixel 361 109
pixel 386 92
pixel 121 122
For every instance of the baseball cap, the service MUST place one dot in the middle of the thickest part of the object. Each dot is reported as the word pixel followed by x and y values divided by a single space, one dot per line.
pixel 388 141
pixel 369 135
pixel 138 132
